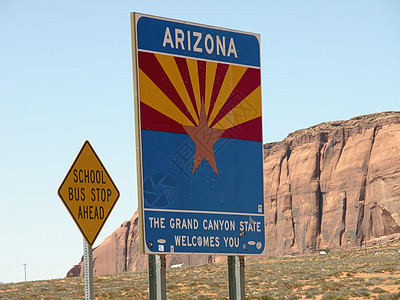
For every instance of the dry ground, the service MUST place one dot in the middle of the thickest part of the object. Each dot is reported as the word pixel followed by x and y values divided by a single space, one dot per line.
pixel 345 274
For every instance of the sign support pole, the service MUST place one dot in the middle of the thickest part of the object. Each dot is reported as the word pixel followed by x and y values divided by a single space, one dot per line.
pixel 25 270
pixel 236 277
pixel 157 277
pixel 88 270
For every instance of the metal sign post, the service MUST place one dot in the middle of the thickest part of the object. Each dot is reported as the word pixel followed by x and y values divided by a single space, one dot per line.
pixel 236 277
pixel 88 270
pixel 25 270
pixel 157 277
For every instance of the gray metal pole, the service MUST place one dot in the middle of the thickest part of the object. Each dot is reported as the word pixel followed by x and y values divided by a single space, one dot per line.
pixel 88 270
pixel 236 277
pixel 25 270
pixel 157 277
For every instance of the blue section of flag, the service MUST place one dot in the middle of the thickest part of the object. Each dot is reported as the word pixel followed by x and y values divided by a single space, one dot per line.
pixel 168 164
pixel 182 38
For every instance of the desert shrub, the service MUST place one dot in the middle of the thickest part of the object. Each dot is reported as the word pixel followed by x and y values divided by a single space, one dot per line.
pixel 267 297
pixel 378 290
pixel 332 286
pixel 293 297
pixel 375 281
pixel 312 293
pixel 361 292
pixel 291 285
pixel 203 297
pixel 389 296
pixel 334 296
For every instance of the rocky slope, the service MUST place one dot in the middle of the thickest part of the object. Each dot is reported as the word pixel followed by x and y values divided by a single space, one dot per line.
pixel 333 185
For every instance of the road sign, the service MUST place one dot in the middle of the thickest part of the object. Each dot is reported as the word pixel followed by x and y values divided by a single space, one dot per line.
pixel 199 137
pixel 88 193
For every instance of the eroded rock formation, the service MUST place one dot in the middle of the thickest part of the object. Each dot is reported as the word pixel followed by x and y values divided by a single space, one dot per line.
pixel 333 185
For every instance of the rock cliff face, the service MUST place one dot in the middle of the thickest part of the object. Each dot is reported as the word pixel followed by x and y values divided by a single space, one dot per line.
pixel 333 185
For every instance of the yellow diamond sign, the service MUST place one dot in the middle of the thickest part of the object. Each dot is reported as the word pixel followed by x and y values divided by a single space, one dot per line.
pixel 88 193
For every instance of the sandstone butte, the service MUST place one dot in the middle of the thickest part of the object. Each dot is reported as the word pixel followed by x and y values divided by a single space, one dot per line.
pixel 331 186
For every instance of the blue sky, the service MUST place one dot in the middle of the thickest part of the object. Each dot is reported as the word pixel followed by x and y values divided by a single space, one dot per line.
pixel 66 77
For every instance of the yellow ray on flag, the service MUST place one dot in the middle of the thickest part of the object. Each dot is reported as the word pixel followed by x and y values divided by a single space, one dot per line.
pixel 248 109
pixel 151 95
pixel 194 77
pixel 233 76
pixel 211 69
pixel 168 63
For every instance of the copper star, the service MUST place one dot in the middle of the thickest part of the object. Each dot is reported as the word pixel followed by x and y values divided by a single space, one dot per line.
pixel 204 137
